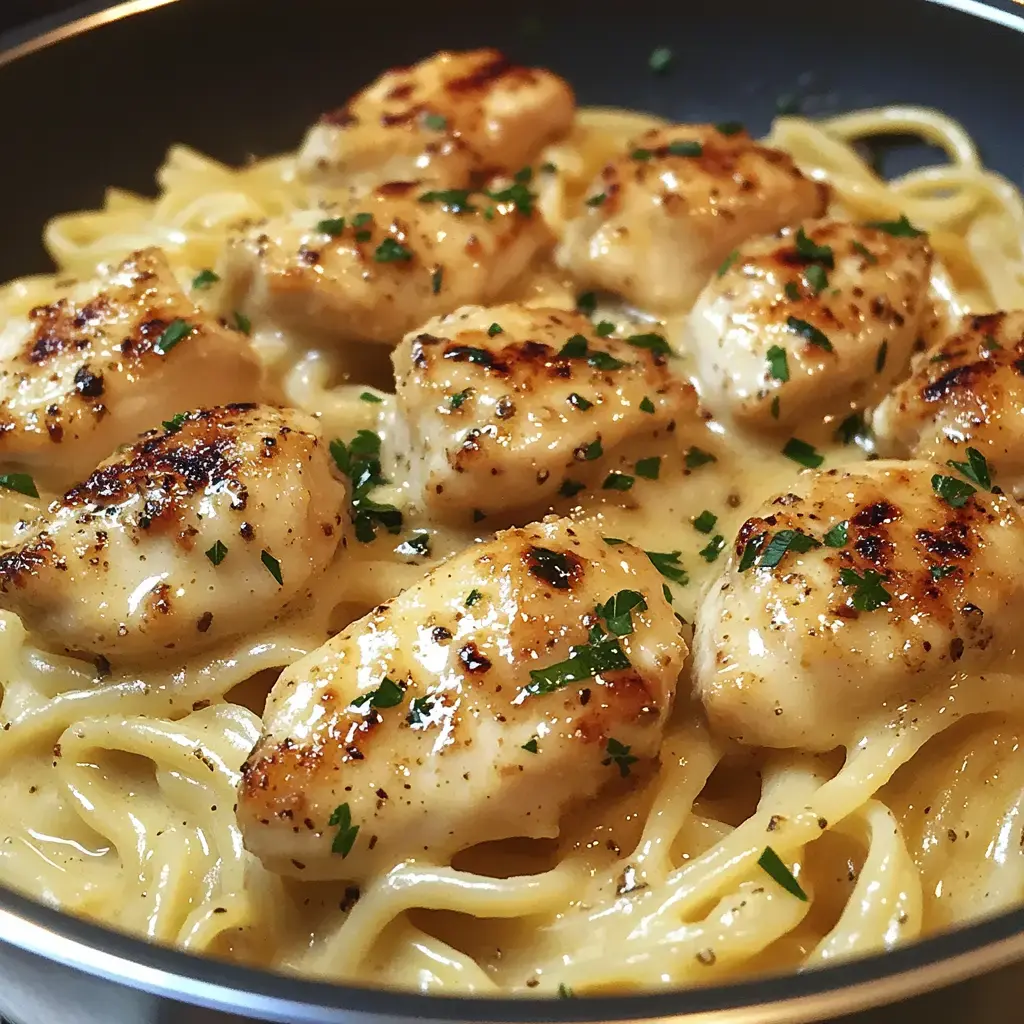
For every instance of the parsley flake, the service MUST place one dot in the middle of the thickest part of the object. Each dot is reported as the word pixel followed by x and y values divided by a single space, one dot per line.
pixel 751 550
pixel 771 863
pixel 436 278
pixel 782 543
pixel 868 255
pixel 816 278
pixel 345 838
pixel 686 147
pixel 940 572
pixel 273 566
pixel 369 396
pixel 778 363
pixel 217 552
pixel 952 491
pixel 803 453
pixel 570 488
pixel 646 405
pixel 869 594
pixel 901 228
pixel 811 252
pixel 975 469
pixel 619 755
pixel 837 535
pixel 452 200
pixel 723 267
pixel 601 654
pixel 668 564
pixel 530 745
pixel 705 522
pixel 852 429
pixel 174 424
pixel 696 457
pixel 586 303
pixel 616 481
pixel 597 200
pixel 332 226
pixel 604 328
pixel 474 596
pixel 713 549
pixel 420 710
pixel 387 695
pixel 641 154
pixel 417 546
pixel 456 400
pixel 176 331
pixel 435 122
pixel 579 402
pixel 204 279
pixel 649 469
pixel 809 331
pixel 654 342
pixel 493 330
pixel 589 452
pixel 618 611
pixel 391 250
pixel 883 352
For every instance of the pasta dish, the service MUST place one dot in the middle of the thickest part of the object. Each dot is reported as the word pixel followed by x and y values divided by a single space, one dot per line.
pixel 511 548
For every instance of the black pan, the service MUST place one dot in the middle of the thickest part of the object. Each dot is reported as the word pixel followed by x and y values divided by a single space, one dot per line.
pixel 96 102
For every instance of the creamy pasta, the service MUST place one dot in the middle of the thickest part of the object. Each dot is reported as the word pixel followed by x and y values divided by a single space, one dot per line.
pixel 121 782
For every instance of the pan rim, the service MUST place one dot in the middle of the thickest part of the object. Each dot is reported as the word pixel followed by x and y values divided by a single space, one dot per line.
pixel 45 932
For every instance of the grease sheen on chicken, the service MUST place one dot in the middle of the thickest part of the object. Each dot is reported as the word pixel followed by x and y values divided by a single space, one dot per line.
pixel 372 268
pixel 966 391
pixel 166 545
pixel 790 655
pixel 423 721
pixel 92 371
pixel 663 216
pixel 809 324
pixel 452 119
pixel 507 407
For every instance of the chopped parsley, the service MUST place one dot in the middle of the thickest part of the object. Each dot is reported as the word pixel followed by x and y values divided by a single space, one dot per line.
pixel 901 228
pixel 601 653
pixel 713 549
pixel 809 331
pixel 782 543
pixel 705 522
pixel 613 540
pixel 217 552
pixel 597 200
pixel 574 348
pixel 649 469
pixel 860 248
pixel 474 596
pixel 686 147
pixel 20 482
pixel 641 154
pixel 838 535
pixel 175 331
pixel 242 323
pixel 816 277
pixel 604 361
pixel 332 226
pixel 493 330
pixel 388 695
pixel 586 303
pixel 616 481
pixel 696 457
pixel 204 279
pixel 975 469
pixel 952 491
pixel 723 267
pixel 869 594
pixel 792 291
pixel 666 593
pixel 811 252
pixel 778 363
pixel 456 400
pixel 590 452
pixel 436 278
pixel 579 402
pixel 273 566
pixel 604 328
pixel 360 220
pixel 173 425
pixel 530 745
pixel 668 564
pixel 771 863
pixel 646 405
pixel 655 342
pixel 617 611
pixel 369 396
pixel 454 200
pixel 940 572
pixel 660 59
pixel 435 122
pixel 853 428
pixel 751 550
pixel 391 250
pixel 359 460
pixel 730 127
pixel 469 354
pixel 345 837
pixel 774 408
pixel 570 488
pixel 564 992
pixel 619 755
pixel 883 352
pixel 518 193
pixel 420 709
pixel 417 546
pixel 803 453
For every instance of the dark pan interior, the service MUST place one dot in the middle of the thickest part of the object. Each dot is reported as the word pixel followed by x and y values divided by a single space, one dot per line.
pixel 236 78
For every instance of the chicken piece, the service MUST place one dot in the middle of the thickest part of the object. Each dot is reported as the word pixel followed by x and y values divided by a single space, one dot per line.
pixel 508 406
pixel 662 217
pixel 520 676
pixel 189 536
pixel 92 371
pixel 968 390
pixel 832 625
pixel 809 324
pixel 452 119
pixel 384 263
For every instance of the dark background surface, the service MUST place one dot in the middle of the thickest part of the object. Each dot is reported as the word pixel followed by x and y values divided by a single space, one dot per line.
pixel 245 76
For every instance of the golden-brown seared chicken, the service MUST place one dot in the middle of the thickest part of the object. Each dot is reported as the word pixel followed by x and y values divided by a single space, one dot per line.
pixel 451 119
pixel 378 266
pixel 523 674
pixel 663 217
pixel 968 390
pixel 184 538
pixel 86 374
pixel 508 406
pixel 809 323
pixel 860 590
